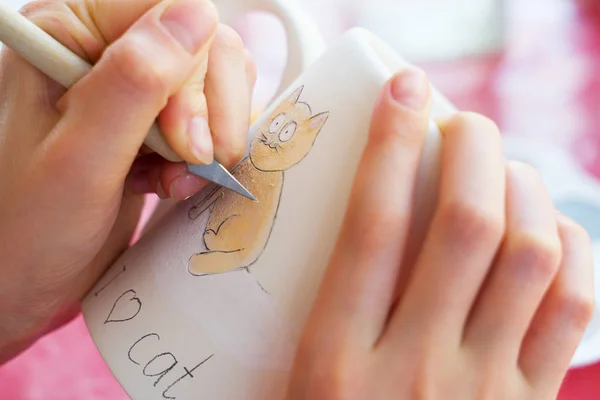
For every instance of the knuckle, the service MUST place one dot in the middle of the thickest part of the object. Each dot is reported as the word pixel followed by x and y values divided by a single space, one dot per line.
pixel 228 39
pixel 406 136
pixel 50 15
pixel 376 230
pixel 573 232
pixel 422 386
pixel 329 373
pixel 392 129
pixel 67 21
pixel 577 309
pixel 31 9
pixel 343 380
pixel 468 224
pixel 539 252
pixel 423 379
pixel 232 147
pixel 470 122
pixel 130 64
pixel 523 169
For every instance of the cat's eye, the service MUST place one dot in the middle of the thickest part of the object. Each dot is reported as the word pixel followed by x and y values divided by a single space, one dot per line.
pixel 288 132
pixel 277 123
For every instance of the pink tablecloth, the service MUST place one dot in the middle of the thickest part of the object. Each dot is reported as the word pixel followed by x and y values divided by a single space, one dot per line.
pixel 547 83
pixel 63 366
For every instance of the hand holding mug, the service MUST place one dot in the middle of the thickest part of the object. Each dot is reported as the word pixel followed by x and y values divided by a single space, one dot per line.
pixel 494 302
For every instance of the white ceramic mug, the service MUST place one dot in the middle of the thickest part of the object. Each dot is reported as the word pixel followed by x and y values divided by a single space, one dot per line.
pixel 211 302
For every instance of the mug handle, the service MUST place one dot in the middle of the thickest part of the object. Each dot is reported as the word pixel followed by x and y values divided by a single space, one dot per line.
pixel 304 41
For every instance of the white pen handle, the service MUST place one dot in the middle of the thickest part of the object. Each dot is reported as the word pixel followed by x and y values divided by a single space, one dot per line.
pixel 59 63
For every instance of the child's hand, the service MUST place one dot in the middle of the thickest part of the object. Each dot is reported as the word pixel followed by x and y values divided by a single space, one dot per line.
pixel 66 211
pixel 492 306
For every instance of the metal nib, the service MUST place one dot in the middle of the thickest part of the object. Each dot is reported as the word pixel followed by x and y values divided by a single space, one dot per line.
pixel 218 174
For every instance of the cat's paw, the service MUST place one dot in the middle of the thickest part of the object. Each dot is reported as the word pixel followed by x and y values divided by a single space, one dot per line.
pixel 212 263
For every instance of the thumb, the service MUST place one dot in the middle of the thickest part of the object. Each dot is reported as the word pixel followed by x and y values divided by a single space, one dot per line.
pixel 107 114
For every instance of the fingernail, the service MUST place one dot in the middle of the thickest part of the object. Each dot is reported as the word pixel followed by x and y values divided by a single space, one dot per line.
pixel 410 88
pixel 184 187
pixel 190 22
pixel 201 140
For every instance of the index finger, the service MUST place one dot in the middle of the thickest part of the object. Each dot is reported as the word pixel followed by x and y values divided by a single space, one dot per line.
pixel 359 285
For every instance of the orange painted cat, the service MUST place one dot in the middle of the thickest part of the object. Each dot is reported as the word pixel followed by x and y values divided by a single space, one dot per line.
pixel 238 229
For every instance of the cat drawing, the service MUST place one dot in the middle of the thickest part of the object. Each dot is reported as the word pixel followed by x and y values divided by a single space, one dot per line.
pixel 238 229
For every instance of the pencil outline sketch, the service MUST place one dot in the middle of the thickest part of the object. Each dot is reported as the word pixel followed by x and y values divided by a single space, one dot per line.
pixel 238 229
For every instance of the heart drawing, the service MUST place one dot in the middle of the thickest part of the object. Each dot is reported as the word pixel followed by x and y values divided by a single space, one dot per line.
pixel 126 308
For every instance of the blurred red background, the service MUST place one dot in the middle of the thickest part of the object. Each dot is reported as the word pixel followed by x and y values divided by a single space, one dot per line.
pixel 545 83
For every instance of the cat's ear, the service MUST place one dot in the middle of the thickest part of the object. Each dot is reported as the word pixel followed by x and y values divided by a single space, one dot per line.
pixel 293 98
pixel 316 122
